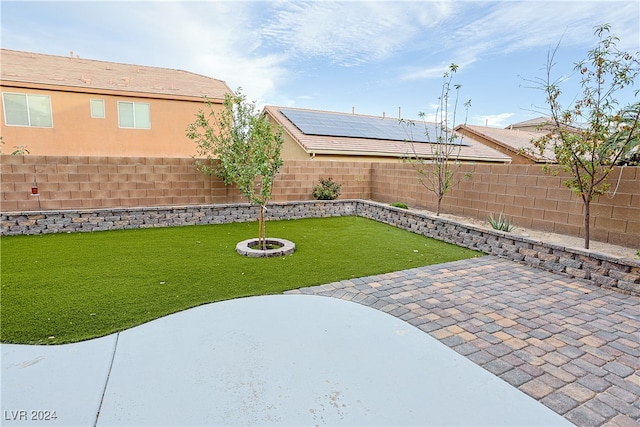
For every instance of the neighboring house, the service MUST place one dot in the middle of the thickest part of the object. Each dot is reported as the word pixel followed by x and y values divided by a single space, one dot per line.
pixel 537 124
pixel 68 106
pixel 324 135
pixel 540 125
pixel 514 142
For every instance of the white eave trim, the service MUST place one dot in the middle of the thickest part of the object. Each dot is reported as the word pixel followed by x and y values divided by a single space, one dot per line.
pixel 399 156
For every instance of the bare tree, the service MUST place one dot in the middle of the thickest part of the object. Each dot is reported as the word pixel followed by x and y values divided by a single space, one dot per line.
pixel 437 168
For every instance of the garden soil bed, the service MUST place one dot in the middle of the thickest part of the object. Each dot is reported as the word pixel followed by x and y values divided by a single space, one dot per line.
pixel 559 239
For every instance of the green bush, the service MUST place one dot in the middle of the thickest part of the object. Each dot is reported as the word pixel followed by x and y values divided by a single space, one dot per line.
pixel 502 223
pixel 328 189
pixel 399 205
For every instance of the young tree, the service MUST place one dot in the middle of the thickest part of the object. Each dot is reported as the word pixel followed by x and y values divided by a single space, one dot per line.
pixel 593 132
pixel 241 147
pixel 436 171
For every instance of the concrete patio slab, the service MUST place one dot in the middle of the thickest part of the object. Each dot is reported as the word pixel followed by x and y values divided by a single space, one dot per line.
pixel 54 385
pixel 277 360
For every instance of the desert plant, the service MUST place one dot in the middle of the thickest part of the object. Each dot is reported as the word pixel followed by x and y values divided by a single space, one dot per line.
pixel 501 224
pixel 399 205
pixel 327 189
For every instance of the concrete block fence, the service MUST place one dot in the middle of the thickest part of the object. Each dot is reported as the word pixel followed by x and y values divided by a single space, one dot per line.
pixel 127 182
pixel 621 274
pixel 527 196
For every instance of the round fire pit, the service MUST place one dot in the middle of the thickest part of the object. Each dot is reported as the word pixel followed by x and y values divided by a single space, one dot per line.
pixel 275 247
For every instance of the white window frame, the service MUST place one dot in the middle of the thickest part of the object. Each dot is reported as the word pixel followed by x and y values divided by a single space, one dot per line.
pixel 27 95
pixel 135 125
pixel 104 112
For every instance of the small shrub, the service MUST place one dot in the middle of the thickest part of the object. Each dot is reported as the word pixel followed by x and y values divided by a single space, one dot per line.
pixel 20 150
pixel 502 223
pixel 328 189
pixel 399 205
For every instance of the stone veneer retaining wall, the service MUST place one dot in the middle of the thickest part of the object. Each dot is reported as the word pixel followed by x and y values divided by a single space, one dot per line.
pixel 622 274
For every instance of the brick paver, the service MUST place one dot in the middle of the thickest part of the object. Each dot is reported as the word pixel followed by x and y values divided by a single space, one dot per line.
pixel 571 345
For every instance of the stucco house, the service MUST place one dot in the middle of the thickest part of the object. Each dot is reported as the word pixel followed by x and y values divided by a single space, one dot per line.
pixel 325 135
pixel 71 106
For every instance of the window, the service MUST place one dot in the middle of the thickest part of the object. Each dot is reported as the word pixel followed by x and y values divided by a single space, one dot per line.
pixel 135 115
pixel 27 110
pixel 97 108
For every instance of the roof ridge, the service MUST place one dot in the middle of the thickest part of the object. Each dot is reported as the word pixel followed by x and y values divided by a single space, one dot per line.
pixel 71 58
pixel 21 67
pixel 494 129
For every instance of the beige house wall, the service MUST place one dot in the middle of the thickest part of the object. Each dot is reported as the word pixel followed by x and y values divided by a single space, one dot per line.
pixel 291 150
pixel 523 192
pixel 76 133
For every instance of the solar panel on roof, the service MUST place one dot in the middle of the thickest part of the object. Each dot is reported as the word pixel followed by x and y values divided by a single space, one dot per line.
pixel 352 126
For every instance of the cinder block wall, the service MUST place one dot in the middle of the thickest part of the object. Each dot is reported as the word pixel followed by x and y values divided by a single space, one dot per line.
pixel 528 196
pixel 110 182
pixel 104 182
pixel 297 178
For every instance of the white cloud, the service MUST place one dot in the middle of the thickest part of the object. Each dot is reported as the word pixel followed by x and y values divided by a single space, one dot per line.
pixel 479 30
pixel 510 26
pixel 492 120
pixel 438 71
pixel 351 33
pixel 425 73
pixel 220 40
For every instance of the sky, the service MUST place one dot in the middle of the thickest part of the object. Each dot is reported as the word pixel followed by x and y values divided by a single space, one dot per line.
pixel 373 57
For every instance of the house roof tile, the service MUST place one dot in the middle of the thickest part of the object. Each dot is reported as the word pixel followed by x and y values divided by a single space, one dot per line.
pixel 531 123
pixel 515 140
pixel 471 151
pixel 92 75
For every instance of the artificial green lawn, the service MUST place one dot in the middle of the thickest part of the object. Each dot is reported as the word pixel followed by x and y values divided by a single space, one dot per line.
pixel 60 288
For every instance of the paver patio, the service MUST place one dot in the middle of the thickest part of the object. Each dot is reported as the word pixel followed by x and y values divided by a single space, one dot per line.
pixel 571 345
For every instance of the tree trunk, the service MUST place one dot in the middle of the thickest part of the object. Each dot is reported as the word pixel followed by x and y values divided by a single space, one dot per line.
pixel 261 229
pixel 587 218
pixel 438 206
